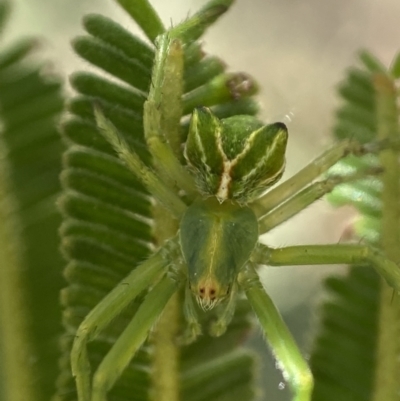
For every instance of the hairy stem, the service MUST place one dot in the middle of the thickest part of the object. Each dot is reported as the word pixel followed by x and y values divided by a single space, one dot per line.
pixel 387 384
pixel 165 375
pixel 17 354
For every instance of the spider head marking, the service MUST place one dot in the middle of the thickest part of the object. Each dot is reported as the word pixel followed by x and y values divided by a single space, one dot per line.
pixel 235 158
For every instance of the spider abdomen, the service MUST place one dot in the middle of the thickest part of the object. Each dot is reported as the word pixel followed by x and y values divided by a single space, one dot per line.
pixel 235 158
pixel 216 240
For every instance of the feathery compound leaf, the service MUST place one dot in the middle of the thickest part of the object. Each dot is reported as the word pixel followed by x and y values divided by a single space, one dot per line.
pixel 30 280
pixel 107 229
pixel 344 352
pixel 345 357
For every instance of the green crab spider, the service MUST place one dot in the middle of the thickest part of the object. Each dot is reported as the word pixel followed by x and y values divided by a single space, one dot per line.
pixel 216 193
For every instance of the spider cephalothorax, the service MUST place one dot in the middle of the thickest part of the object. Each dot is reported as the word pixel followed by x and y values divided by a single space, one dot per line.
pixel 216 240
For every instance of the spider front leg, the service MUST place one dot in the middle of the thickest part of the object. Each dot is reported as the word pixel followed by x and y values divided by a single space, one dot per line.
pixel 163 111
pixel 330 254
pixel 99 318
pixel 294 367
pixel 164 194
pixel 132 338
pixel 283 192
pixel 306 197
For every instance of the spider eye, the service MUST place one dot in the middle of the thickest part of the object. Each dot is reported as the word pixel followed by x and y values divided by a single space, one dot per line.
pixel 212 294
pixel 207 293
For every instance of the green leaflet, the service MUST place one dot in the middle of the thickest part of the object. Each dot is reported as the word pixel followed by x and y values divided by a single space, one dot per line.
pixel 345 356
pixel 107 216
pixel 30 280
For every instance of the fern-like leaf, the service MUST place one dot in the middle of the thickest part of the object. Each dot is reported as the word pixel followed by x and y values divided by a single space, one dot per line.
pixel 107 212
pixel 30 279
pixel 345 355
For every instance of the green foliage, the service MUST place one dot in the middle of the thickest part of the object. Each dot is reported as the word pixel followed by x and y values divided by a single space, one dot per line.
pixel 30 105
pixel 107 212
pixel 346 351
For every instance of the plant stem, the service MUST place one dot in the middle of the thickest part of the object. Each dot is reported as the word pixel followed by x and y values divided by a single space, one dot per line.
pixel 165 375
pixel 387 384
pixel 17 353
pixel 166 355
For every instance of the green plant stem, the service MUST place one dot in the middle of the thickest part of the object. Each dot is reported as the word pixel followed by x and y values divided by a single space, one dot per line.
pixel 166 354
pixel 17 354
pixel 387 383
pixel 165 375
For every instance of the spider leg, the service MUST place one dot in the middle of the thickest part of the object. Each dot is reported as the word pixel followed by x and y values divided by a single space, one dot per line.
pixel 330 254
pixel 163 111
pixel 155 185
pixel 309 173
pixel 306 197
pixel 112 304
pixel 134 335
pixel 294 366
